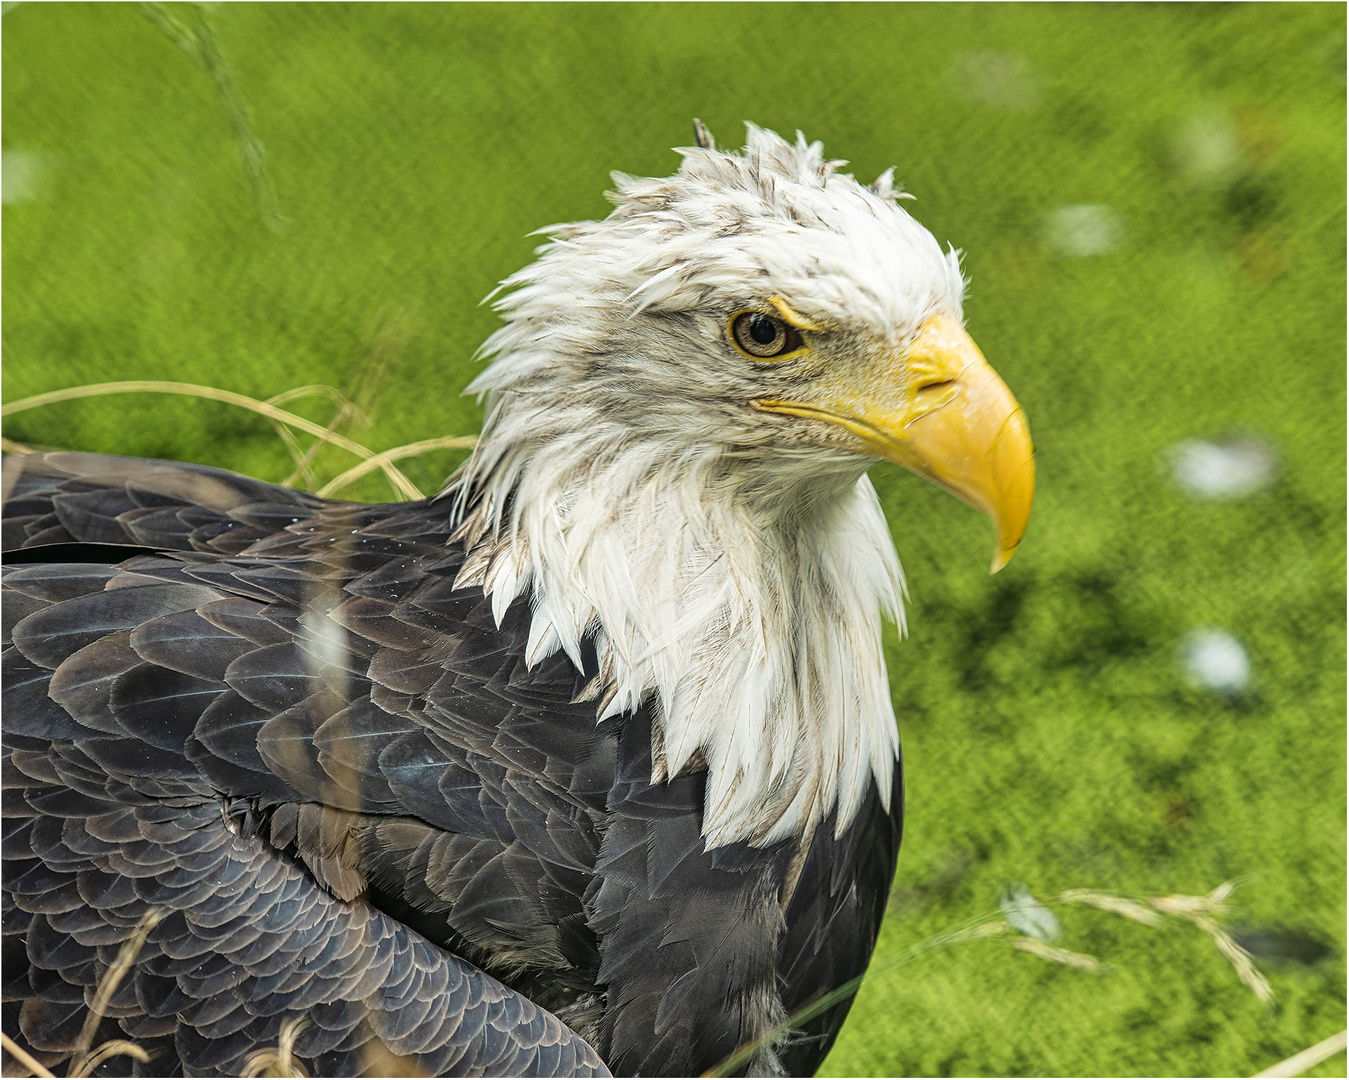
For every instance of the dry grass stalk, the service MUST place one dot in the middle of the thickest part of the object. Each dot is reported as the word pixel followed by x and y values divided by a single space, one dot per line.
pixel 983 926
pixel 332 393
pixel 23 1057
pixel 386 337
pixel 1240 959
pixel 402 486
pixel 304 459
pixel 1306 1059
pixel 1201 910
pixel 9 446
pixel 1055 955
pixel 112 1048
pixel 186 27
pixel 1116 905
pixel 1182 906
pixel 445 442
pixel 278 1060
pixel 82 1063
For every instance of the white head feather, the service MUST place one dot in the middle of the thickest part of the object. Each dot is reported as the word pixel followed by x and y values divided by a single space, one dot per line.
pixel 732 571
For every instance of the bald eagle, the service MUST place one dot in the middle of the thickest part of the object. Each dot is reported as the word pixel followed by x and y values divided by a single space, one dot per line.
pixel 587 763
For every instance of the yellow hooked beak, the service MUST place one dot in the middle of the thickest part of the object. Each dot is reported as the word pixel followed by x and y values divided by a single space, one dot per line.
pixel 939 409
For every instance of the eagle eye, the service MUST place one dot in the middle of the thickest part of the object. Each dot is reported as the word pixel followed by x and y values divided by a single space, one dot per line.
pixel 764 336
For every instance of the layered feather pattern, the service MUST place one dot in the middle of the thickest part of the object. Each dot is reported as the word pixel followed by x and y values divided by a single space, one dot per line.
pixel 355 802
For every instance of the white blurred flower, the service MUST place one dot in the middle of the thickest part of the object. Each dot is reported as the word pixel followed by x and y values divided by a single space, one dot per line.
pixel 1215 659
pixel 1026 914
pixel 22 175
pixel 1206 149
pixel 995 78
pixel 1223 470
pixel 1082 230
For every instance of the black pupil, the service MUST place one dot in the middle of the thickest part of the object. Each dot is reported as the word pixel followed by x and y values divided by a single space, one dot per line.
pixel 762 330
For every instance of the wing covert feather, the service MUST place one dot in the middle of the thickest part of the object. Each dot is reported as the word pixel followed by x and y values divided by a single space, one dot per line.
pixel 279 721
pixel 214 686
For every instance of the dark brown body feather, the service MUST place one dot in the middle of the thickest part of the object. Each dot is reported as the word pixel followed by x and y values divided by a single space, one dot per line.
pixel 275 718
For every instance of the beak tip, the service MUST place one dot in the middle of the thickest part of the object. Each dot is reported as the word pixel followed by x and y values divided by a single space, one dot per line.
pixel 1011 512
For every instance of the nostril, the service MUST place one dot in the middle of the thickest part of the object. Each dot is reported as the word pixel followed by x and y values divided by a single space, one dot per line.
pixel 942 384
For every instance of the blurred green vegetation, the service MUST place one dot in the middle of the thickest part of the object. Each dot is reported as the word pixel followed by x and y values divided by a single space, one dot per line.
pixel 1050 735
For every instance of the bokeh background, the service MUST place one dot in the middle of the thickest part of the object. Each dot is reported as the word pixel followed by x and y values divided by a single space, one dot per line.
pixel 1150 199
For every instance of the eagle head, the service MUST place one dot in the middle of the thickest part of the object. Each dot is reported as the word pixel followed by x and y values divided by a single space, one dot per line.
pixel 766 312
pixel 682 403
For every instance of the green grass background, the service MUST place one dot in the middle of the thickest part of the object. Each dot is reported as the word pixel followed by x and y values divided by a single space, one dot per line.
pixel 1050 737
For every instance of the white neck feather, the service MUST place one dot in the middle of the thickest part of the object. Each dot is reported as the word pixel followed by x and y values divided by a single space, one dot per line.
pixel 746 612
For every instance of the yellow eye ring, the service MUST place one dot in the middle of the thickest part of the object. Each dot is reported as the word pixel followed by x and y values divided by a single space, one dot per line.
pixel 763 337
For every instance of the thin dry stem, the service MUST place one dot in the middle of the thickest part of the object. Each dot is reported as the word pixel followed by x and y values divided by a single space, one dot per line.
pixel 1196 909
pixel 1182 906
pixel 191 32
pixel 24 1058
pixel 1055 955
pixel 984 926
pixel 301 473
pixel 1306 1059
pixel 444 442
pixel 400 483
pixel 81 1060
pixel 1116 905
pixel 1239 958
pixel 386 337
pixel 332 393
pixel 304 461
pixel 109 1049
pixel 278 1060
pixel 1201 910
pixel 346 410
